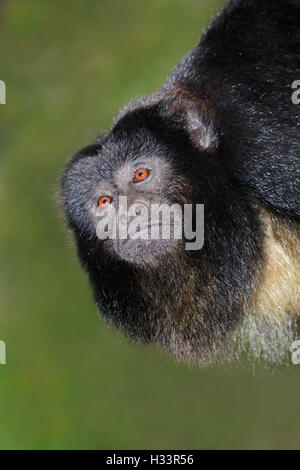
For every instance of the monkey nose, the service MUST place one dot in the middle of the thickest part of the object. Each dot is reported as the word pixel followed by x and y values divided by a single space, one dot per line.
pixel 140 209
pixel 137 209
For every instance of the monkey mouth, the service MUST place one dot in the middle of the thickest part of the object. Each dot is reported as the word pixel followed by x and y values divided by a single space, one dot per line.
pixel 142 249
pixel 154 231
pixel 145 232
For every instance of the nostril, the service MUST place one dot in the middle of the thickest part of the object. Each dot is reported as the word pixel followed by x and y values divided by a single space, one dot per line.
pixel 140 209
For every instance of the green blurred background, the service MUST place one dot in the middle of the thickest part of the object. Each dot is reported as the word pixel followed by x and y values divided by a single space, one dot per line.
pixel 70 381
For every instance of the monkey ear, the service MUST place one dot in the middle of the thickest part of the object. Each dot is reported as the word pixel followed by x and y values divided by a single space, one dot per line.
pixel 200 125
pixel 197 117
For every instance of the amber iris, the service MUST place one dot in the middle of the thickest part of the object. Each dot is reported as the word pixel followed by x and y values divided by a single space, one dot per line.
pixel 104 201
pixel 141 174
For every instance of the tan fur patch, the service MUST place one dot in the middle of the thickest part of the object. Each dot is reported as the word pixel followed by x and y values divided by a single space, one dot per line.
pixel 279 294
pixel 272 317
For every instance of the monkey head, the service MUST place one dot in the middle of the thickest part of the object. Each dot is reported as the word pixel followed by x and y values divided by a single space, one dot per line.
pixel 156 290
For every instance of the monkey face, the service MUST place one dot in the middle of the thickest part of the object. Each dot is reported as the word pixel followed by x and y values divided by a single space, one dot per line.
pixel 127 194
pixel 135 216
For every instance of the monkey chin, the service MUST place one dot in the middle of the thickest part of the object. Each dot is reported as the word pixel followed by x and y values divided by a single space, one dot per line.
pixel 146 252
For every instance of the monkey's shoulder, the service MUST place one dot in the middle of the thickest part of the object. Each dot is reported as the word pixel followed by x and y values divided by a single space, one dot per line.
pixel 244 67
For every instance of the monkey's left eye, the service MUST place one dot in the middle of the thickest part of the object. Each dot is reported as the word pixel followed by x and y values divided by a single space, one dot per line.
pixel 141 174
pixel 104 201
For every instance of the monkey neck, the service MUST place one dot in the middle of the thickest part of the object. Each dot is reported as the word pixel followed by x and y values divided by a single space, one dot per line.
pixel 183 310
pixel 171 298
pixel 175 280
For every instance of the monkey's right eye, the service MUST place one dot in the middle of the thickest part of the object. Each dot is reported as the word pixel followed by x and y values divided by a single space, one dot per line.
pixel 104 201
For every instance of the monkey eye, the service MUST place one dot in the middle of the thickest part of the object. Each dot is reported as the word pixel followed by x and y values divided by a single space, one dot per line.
pixel 104 201
pixel 141 174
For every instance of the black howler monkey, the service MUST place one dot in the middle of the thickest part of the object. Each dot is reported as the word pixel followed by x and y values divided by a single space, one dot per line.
pixel 223 132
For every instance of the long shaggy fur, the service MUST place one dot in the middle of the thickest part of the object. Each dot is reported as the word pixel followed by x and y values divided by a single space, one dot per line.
pixel 224 133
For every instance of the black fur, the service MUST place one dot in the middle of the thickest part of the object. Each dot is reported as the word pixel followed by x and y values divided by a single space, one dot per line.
pixel 237 84
pixel 246 62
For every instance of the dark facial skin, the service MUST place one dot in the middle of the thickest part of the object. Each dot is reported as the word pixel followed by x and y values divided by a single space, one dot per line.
pixel 140 195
